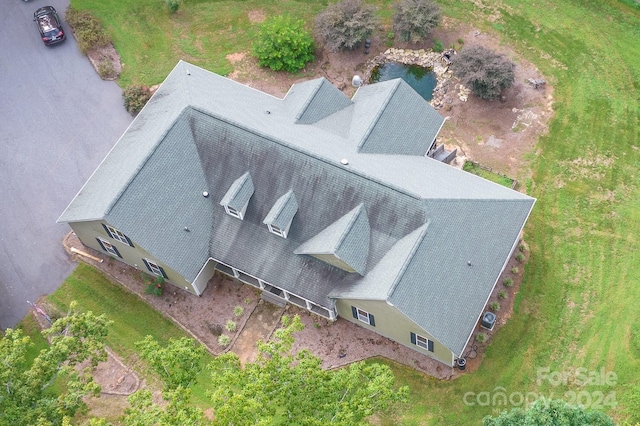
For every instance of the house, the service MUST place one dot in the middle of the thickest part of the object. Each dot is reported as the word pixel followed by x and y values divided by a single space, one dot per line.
pixel 321 201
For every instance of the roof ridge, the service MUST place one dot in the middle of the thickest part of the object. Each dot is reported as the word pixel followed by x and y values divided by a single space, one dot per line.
pixel 396 83
pixel 409 257
pixel 311 97
pixel 348 226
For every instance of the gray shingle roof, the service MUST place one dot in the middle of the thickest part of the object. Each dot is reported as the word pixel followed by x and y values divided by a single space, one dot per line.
pixel 239 193
pixel 426 220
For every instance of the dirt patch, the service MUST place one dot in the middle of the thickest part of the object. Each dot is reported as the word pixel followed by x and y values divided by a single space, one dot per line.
pixel 106 62
pixel 257 16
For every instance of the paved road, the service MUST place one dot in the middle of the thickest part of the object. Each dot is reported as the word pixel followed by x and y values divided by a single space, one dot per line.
pixel 58 120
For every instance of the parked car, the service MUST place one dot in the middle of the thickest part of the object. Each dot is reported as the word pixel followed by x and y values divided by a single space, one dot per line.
pixel 49 25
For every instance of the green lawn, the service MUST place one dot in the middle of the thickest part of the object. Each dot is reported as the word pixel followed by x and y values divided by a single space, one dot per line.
pixel 476 169
pixel 578 305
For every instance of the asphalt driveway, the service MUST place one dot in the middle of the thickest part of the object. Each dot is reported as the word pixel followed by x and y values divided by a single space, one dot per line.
pixel 58 120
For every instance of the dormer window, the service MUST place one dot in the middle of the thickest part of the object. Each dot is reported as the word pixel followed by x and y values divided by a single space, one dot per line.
pixel 279 218
pixel 236 200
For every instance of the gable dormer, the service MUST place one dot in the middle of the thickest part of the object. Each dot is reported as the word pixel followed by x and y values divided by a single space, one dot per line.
pixel 237 198
pixel 343 244
pixel 279 218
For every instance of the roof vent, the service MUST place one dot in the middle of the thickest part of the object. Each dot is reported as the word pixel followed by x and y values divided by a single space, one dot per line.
pixel 344 161
pixel 205 194
pixel 188 72
pixel 187 229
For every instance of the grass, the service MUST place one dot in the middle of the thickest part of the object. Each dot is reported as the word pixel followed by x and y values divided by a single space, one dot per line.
pixel 578 301
pixel 133 318
pixel 476 169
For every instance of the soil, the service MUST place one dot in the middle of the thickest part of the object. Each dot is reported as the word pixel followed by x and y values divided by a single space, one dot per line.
pixel 496 134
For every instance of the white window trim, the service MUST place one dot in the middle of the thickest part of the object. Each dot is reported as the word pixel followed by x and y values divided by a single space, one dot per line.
pixel 233 212
pixel 155 268
pixel 277 231
pixel 118 235
pixel 108 247
pixel 363 316
pixel 424 344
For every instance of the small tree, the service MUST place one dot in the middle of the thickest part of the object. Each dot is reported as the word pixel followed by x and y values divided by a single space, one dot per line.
pixel 136 97
pixel 344 25
pixel 415 19
pixel 283 44
pixel 483 71
pixel 550 412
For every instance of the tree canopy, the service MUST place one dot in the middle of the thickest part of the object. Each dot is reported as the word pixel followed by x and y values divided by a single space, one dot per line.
pixel 344 25
pixel 25 396
pixel 283 44
pixel 545 412
pixel 483 71
pixel 415 19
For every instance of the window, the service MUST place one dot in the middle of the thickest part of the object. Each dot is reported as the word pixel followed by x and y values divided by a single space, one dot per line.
pixel 117 235
pixel 233 212
pixel 423 342
pixel 363 316
pixel 154 268
pixel 108 247
pixel 277 231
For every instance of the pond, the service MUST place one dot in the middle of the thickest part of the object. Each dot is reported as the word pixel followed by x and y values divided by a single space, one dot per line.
pixel 421 79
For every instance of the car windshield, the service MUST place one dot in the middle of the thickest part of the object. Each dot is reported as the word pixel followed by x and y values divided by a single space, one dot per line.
pixel 49 24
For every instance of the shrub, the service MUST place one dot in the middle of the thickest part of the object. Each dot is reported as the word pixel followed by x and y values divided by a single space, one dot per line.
pixel 87 29
pixel 390 36
pixel 283 44
pixel 483 71
pixel 520 257
pixel 481 338
pixel 136 97
pixel 173 5
pixel 224 340
pixel 460 41
pixel 494 306
pixel 215 329
pixel 105 68
pixel 414 19
pixel 502 294
pixel 508 282
pixel 230 326
pixel 515 270
pixel 155 285
pixel 238 311
pixel 522 248
pixel 437 46
pixel 344 25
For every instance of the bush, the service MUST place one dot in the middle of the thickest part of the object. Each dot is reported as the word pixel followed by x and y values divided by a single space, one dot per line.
pixel 238 311
pixel 155 285
pixel 224 340
pixel 502 294
pixel 87 29
pixel 105 68
pixel 283 44
pixel 344 25
pixel 520 257
pixel 494 306
pixel 437 46
pixel 515 270
pixel 173 5
pixel 483 71
pixel 508 282
pixel 215 329
pixel 135 97
pixel 230 326
pixel 414 19
pixel 481 338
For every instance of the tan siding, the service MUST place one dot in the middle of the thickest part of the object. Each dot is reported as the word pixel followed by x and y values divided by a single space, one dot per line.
pixel 393 324
pixel 87 232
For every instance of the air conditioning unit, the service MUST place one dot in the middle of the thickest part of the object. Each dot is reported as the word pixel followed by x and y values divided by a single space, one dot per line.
pixel 488 320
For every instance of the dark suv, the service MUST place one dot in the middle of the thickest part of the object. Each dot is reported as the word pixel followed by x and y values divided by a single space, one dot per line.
pixel 49 25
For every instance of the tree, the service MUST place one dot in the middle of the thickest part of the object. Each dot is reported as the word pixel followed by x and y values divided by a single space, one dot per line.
pixel 415 19
pixel 176 412
pixel 25 397
pixel 283 44
pixel 549 412
pixel 281 387
pixel 344 25
pixel 178 363
pixel 483 71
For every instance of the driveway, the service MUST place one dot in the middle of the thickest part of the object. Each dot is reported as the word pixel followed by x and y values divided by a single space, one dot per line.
pixel 58 120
